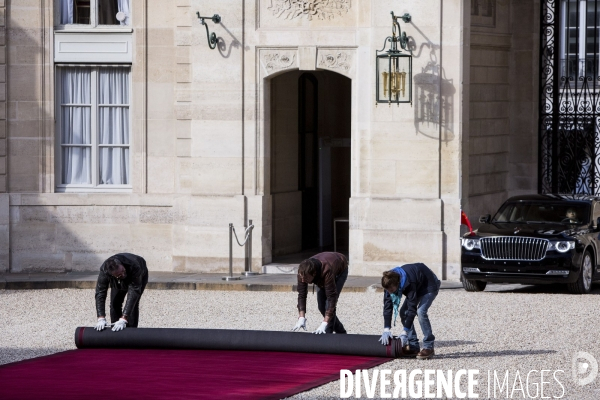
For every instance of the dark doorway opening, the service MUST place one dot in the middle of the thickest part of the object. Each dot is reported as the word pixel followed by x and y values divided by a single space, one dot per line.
pixel 310 163
pixel 308 157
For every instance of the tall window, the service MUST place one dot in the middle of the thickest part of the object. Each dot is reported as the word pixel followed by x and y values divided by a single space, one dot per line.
pixel 94 12
pixel 580 38
pixel 94 127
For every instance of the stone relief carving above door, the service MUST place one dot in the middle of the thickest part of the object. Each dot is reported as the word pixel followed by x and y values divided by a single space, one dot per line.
pixel 340 60
pixel 337 60
pixel 274 60
pixel 320 9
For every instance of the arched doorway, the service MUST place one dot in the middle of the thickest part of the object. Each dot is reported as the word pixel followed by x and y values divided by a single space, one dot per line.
pixel 310 121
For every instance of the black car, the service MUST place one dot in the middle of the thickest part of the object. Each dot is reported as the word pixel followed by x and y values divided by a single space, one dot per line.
pixel 535 239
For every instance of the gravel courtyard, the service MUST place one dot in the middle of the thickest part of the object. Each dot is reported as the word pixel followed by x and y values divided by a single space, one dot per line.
pixel 509 328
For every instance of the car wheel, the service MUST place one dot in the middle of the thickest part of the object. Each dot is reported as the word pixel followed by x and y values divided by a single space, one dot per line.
pixel 471 285
pixel 583 284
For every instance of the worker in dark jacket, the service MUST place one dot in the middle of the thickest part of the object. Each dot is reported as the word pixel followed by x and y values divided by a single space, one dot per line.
pixel 328 271
pixel 420 286
pixel 126 274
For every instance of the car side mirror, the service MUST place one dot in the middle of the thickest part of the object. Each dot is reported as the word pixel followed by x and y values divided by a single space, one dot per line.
pixel 485 219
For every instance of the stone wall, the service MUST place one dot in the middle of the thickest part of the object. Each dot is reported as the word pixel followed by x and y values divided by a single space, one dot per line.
pixel 405 200
pixel 27 33
pixel 503 104
pixel 524 96
pixel 3 149
pixel 4 233
pixel 201 137
pixel 4 207
pixel 489 108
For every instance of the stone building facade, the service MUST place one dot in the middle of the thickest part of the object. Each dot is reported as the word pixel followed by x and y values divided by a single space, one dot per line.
pixel 128 133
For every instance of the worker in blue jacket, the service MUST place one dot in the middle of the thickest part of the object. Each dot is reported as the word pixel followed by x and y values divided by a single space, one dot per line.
pixel 420 286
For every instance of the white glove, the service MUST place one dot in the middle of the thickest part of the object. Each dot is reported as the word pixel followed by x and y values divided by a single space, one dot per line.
pixel 321 328
pixel 101 324
pixel 119 325
pixel 385 338
pixel 300 324
pixel 403 338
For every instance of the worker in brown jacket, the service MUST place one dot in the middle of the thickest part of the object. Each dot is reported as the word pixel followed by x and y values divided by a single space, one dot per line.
pixel 328 271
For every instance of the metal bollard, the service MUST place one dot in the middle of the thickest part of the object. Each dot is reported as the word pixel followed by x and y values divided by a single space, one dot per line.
pixel 248 271
pixel 231 277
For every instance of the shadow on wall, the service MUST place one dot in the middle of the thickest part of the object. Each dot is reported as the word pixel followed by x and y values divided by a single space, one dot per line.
pixel 222 43
pixel 433 95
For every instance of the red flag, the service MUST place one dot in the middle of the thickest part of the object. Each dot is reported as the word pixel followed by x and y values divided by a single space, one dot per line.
pixel 464 220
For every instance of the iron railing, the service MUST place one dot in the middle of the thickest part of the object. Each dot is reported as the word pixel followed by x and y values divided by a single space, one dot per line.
pixel 569 122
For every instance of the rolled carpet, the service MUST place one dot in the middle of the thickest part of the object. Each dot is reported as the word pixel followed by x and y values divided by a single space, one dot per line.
pixel 225 339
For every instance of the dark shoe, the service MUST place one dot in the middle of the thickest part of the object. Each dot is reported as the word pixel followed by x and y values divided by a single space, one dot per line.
pixel 425 354
pixel 340 333
pixel 338 327
pixel 407 352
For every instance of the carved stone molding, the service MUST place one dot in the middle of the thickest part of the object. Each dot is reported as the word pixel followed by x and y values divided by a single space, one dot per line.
pixel 338 60
pixel 320 9
pixel 278 59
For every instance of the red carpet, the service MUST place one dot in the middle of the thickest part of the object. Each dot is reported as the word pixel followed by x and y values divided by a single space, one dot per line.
pixel 173 374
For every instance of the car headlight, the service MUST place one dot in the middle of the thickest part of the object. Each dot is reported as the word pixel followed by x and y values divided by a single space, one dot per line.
pixel 561 246
pixel 470 243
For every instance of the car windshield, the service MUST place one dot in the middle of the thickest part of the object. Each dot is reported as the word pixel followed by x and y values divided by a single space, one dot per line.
pixel 564 213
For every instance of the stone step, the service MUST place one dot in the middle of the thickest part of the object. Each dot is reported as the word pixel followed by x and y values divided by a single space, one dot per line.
pixel 280 268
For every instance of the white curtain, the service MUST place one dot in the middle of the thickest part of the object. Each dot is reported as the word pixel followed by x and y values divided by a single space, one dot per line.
pixel 66 12
pixel 113 117
pixel 124 8
pixel 76 125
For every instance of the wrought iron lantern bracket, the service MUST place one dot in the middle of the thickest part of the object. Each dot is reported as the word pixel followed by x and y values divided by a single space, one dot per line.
pixel 401 37
pixel 394 80
pixel 210 37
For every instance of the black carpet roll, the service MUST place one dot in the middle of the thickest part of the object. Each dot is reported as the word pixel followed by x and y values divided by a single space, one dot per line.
pixel 225 339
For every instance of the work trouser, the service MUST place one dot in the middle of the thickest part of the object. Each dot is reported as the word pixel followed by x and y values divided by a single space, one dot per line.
pixel 334 324
pixel 424 302
pixel 116 306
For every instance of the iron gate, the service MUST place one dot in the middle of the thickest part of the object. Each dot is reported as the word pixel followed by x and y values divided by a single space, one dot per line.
pixel 569 142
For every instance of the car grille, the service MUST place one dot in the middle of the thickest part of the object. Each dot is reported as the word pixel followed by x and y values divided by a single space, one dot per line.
pixel 513 248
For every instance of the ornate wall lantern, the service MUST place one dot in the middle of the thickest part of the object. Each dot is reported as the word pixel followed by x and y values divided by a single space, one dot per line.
pixel 212 38
pixel 394 67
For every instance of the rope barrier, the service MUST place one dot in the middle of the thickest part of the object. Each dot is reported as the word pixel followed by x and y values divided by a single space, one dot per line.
pixel 246 233
pixel 248 256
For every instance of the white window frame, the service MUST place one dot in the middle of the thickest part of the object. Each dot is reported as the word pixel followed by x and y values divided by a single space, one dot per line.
pixel 95 165
pixel 582 33
pixel 93 25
